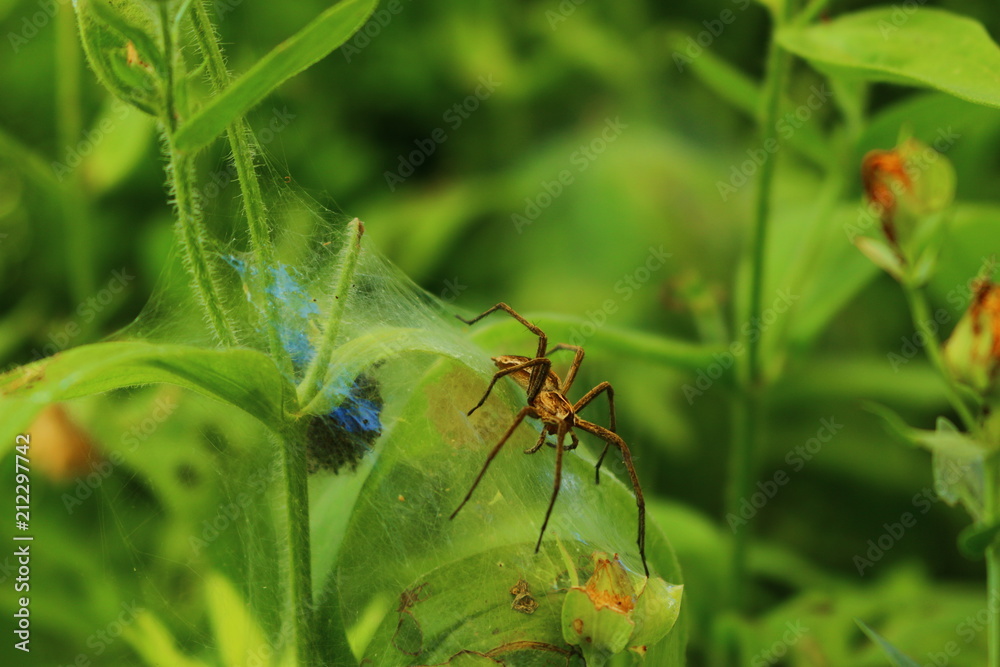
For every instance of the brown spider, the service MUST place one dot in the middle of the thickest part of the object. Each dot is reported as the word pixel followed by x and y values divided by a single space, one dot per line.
pixel 547 402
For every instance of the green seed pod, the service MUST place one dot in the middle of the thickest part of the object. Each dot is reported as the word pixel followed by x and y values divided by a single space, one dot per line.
pixel 973 350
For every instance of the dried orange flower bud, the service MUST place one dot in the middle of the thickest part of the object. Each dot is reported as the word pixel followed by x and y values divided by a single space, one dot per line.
pixel 910 187
pixel 882 174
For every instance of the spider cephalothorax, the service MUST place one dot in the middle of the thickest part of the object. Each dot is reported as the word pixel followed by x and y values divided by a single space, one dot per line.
pixel 547 402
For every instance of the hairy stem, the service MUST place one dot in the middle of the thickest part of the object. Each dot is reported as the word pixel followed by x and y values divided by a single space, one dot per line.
pixel 294 477
pixel 311 385
pixel 298 573
pixel 180 170
pixel 242 147
pixel 746 414
pixel 991 515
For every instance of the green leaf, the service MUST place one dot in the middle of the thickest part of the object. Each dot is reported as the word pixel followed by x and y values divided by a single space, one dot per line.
pixel 918 47
pixel 946 439
pixel 105 35
pixel 239 636
pixel 125 20
pixel 152 640
pixel 246 379
pixel 426 461
pixel 296 54
pixel 896 657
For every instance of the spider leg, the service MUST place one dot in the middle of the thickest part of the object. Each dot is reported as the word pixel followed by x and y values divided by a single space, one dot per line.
pixel 525 412
pixel 612 439
pixel 587 398
pixel 537 378
pixel 574 441
pixel 556 484
pixel 574 367
pixel 538 445
pixel 538 361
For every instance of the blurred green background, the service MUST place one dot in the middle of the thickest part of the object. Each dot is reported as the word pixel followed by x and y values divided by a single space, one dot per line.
pixel 593 92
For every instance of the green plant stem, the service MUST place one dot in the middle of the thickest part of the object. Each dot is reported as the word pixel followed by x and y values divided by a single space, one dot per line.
pixel 241 144
pixel 991 514
pixel 180 170
pixel 991 465
pixel 310 386
pixel 295 481
pixel 294 477
pixel 746 417
pixel 921 314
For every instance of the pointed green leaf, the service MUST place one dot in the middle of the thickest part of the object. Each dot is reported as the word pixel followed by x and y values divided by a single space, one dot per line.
pixel 896 657
pixel 893 423
pixel 246 379
pixel 296 54
pixel 916 46
pixel 154 642
pixel 239 636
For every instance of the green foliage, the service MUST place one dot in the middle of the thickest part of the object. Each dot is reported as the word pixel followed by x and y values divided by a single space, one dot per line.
pixel 304 49
pixel 674 249
pixel 925 47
